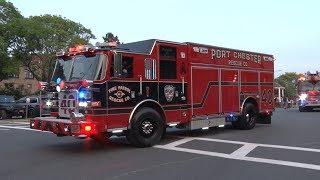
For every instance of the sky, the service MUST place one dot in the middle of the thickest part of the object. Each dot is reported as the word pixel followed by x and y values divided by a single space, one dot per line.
pixel 288 29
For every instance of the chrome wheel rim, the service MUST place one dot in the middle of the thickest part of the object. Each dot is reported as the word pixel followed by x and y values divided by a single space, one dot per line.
pixel 147 127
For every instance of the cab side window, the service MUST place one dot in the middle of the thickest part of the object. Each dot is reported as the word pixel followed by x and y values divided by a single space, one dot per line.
pixel 168 66
pixel 127 67
pixel 33 100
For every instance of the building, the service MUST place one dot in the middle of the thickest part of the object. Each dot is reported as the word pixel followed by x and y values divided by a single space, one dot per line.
pixel 278 93
pixel 23 79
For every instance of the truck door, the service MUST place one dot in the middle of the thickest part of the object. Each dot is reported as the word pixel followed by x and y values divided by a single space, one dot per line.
pixel 171 79
pixel 230 90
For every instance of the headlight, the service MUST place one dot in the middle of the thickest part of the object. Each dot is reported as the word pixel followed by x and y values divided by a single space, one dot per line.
pixel 49 103
pixel 303 97
pixel 83 104
pixel 58 88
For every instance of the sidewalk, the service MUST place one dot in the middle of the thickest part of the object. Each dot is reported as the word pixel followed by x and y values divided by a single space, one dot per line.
pixel 14 120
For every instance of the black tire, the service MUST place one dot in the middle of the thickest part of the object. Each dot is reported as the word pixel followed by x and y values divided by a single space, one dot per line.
pixel 31 113
pixel 147 128
pixel 3 114
pixel 302 109
pixel 309 109
pixel 248 118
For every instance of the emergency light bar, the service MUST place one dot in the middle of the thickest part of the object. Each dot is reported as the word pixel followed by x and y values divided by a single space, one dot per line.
pixel 106 44
pixel 81 48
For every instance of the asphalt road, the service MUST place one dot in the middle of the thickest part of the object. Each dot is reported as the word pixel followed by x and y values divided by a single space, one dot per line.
pixel 287 149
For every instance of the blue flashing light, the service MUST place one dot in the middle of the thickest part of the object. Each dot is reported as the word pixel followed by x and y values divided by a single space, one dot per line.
pixel 82 94
pixel 231 118
pixel 58 81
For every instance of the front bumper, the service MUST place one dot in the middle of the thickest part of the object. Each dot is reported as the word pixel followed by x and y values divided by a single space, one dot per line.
pixel 63 127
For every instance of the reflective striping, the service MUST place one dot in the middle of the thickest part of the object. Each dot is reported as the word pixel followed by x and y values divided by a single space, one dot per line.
pixel 241 153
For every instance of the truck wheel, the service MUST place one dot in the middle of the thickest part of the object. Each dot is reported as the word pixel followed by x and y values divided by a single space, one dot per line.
pixel 3 114
pixel 147 128
pixel 248 118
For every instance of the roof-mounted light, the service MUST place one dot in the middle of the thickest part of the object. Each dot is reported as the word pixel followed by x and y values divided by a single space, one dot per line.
pixel 81 48
pixel 106 44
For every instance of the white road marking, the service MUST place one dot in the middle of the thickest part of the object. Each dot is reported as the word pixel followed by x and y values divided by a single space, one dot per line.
pixel 179 142
pixel 16 125
pixel 241 153
pixel 261 145
pixel 21 128
pixel 21 123
pixel 244 150
pixel 4 129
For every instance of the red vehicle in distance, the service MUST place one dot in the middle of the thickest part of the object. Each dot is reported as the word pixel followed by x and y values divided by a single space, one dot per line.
pixel 141 88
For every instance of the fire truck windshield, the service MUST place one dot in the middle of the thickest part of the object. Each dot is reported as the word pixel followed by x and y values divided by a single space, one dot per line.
pixel 80 67
pixel 306 86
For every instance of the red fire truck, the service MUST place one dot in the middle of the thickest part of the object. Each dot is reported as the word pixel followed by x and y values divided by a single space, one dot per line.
pixel 139 89
pixel 308 91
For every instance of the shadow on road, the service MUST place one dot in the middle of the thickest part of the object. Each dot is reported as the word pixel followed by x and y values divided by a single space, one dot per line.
pixel 87 146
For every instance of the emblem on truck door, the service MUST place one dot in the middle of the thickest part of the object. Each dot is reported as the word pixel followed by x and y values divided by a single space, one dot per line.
pixel 169 92
pixel 119 94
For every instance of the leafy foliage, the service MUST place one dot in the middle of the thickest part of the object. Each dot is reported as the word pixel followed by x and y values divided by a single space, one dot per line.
pixel 17 92
pixel 8 12
pixel 37 39
pixel 109 37
pixel 8 15
pixel 289 81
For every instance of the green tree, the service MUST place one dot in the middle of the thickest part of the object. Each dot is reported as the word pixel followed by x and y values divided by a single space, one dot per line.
pixel 17 92
pixel 109 37
pixel 8 15
pixel 8 12
pixel 37 39
pixel 289 81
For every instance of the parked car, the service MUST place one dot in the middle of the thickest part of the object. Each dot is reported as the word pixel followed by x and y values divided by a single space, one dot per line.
pixel 33 106
pixel 50 104
pixel 6 106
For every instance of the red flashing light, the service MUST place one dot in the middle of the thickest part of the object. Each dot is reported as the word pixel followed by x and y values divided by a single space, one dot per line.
pixel 87 128
pixel 81 48
pixel 86 83
pixel 62 84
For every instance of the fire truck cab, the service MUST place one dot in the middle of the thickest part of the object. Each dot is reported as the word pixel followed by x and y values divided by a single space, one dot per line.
pixel 139 89
pixel 308 86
